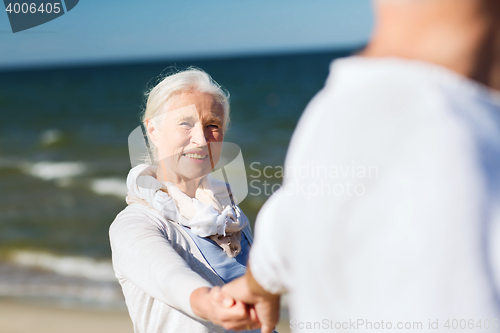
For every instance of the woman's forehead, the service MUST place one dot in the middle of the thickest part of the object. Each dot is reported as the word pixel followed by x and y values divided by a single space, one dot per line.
pixel 202 100
pixel 192 112
pixel 196 104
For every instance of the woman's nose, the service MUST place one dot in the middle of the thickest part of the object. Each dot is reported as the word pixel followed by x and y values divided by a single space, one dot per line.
pixel 198 135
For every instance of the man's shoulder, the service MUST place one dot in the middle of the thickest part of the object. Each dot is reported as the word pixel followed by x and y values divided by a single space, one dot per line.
pixel 373 107
pixel 358 79
pixel 389 94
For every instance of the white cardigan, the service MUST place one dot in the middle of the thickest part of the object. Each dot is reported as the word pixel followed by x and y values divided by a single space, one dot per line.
pixel 158 266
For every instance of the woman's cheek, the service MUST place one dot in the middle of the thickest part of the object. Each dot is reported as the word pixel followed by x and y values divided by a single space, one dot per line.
pixel 216 136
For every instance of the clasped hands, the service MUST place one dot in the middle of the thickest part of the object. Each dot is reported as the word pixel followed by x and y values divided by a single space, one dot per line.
pixel 239 305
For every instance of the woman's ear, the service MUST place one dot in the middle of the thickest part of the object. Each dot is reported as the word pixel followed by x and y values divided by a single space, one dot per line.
pixel 152 131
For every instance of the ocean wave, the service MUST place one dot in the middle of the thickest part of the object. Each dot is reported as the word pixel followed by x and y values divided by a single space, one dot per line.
pixel 51 136
pixel 69 174
pixel 68 280
pixel 47 286
pixel 99 270
pixel 54 170
pixel 110 186
pixel 10 162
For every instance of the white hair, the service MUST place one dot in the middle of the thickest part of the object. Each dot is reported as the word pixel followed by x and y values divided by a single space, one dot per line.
pixel 191 79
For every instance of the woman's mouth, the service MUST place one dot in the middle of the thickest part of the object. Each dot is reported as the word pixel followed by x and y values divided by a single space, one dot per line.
pixel 195 156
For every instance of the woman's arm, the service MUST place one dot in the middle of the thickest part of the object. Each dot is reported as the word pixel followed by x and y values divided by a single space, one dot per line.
pixel 143 255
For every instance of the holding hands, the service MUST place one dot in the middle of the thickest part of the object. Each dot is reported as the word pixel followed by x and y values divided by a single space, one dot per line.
pixel 239 305
pixel 221 309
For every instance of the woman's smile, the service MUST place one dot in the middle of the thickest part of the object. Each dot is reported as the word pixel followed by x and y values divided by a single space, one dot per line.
pixel 196 157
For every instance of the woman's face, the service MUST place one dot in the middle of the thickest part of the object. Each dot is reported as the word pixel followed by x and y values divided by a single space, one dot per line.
pixel 188 136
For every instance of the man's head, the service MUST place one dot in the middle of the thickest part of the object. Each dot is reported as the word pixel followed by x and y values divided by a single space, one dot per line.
pixel 461 35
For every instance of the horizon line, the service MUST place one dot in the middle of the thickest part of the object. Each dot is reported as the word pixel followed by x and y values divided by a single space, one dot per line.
pixel 54 65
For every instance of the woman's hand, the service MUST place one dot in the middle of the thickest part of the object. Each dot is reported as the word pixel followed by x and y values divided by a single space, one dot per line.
pixel 215 305
pixel 266 305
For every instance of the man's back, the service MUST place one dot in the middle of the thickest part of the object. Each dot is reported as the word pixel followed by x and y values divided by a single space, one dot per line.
pixel 390 210
pixel 389 207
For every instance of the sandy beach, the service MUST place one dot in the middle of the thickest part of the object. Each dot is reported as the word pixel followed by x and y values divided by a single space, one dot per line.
pixel 21 317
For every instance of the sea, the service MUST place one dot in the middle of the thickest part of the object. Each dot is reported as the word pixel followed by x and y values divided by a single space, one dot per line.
pixel 64 159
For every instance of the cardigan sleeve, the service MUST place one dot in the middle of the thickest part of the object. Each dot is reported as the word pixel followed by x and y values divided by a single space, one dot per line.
pixel 142 254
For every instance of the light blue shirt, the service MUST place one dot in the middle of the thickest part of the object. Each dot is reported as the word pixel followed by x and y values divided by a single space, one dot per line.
pixel 226 267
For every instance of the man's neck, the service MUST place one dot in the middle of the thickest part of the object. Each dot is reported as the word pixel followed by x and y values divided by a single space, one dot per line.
pixel 457 34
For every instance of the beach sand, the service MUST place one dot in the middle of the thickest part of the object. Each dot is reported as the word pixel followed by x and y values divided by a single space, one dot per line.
pixel 21 317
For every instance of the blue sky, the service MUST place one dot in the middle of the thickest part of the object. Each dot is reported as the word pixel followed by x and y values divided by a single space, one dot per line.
pixel 125 30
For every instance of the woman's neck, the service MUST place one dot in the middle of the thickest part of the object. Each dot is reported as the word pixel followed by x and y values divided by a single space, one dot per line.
pixel 462 36
pixel 189 187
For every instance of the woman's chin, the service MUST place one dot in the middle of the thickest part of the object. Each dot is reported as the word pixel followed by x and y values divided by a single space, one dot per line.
pixel 196 169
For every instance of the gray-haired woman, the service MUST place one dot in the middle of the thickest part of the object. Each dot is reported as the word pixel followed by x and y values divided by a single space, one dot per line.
pixel 181 236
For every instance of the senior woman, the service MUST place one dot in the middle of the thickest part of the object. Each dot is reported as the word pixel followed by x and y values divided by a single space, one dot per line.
pixel 181 237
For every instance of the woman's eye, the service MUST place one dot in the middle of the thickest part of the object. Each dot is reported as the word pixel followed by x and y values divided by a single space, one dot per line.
pixel 185 124
pixel 213 126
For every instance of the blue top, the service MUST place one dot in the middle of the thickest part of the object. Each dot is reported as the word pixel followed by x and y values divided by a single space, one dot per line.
pixel 226 267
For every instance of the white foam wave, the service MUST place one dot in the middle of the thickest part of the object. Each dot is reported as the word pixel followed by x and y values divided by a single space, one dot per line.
pixel 51 136
pixel 110 186
pixel 55 170
pixel 104 295
pixel 100 270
